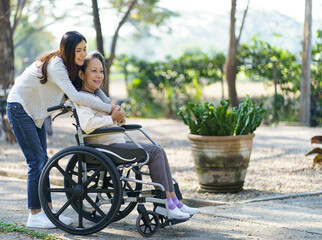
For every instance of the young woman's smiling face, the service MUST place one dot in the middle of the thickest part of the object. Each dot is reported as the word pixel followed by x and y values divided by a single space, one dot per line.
pixel 93 76
pixel 80 53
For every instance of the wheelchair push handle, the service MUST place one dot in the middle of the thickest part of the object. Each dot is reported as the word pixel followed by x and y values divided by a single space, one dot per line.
pixel 53 108
pixel 63 106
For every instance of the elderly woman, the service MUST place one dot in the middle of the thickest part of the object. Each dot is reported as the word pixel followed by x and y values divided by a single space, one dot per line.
pixel 92 75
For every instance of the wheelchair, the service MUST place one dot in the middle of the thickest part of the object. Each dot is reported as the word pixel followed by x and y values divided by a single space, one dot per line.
pixel 97 184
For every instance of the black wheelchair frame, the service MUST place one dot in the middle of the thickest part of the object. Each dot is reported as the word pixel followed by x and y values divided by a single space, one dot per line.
pixel 101 184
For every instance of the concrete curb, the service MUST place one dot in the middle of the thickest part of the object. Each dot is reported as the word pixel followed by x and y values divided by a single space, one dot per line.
pixel 210 203
pixel 23 175
pixel 13 173
pixel 280 197
pixel 203 202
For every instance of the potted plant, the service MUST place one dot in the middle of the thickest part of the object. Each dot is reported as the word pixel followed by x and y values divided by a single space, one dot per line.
pixel 221 142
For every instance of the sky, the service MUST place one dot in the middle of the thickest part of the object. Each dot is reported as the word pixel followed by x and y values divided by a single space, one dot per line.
pixel 292 8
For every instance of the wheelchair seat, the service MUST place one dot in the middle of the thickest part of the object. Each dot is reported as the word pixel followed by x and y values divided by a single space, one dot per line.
pixel 120 155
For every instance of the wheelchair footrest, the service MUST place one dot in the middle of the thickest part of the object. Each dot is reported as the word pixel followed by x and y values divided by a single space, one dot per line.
pixel 169 222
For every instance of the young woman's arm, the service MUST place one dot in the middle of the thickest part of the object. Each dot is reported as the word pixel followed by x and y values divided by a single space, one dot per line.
pixel 102 96
pixel 57 73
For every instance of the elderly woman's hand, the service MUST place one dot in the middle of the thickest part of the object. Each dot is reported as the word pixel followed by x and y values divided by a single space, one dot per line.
pixel 121 122
pixel 117 113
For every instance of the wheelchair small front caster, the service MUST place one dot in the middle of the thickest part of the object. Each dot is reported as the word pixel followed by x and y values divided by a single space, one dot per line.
pixel 147 222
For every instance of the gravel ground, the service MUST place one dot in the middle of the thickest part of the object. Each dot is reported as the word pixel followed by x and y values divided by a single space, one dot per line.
pixel 278 164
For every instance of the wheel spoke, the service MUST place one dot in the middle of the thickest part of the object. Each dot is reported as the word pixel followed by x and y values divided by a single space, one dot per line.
pixel 95 190
pixel 109 183
pixel 63 208
pixel 67 177
pixel 80 213
pixel 91 178
pixel 128 185
pixel 80 167
pixel 63 190
pixel 90 201
pixel 73 173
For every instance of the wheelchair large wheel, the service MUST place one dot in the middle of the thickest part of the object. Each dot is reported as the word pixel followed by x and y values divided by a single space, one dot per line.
pixel 80 198
pixel 129 190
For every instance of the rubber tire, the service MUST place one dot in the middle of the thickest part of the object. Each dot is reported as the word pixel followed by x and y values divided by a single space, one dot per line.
pixel 107 164
pixel 154 217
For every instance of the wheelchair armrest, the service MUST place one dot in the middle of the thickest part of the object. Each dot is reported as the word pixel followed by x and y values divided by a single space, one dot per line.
pixel 131 126
pixel 108 130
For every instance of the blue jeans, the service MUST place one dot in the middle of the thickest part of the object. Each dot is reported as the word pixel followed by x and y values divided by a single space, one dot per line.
pixel 32 141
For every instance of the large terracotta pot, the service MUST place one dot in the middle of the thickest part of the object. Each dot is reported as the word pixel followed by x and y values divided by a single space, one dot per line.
pixel 221 162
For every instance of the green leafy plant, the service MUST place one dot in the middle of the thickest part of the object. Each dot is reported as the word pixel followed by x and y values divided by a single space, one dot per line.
pixel 6 227
pixel 207 120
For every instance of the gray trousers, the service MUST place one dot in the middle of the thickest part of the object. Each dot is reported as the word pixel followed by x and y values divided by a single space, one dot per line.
pixel 158 164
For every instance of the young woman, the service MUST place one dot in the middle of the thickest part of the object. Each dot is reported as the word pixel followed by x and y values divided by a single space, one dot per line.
pixel 44 84
pixel 92 73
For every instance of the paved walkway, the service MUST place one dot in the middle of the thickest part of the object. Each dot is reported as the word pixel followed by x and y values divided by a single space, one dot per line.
pixel 287 217
pixel 280 216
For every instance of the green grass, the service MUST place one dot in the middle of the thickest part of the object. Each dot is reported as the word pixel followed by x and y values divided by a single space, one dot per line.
pixel 5 228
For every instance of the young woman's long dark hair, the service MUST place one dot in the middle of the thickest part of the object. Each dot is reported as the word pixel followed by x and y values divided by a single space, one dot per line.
pixel 66 51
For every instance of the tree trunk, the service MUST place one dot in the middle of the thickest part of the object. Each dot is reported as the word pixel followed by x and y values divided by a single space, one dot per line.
pixel 6 46
pixel 222 89
pixel 16 19
pixel 110 60
pixel 231 60
pixel 98 28
pixel 275 77
pixel 231 65
pixel 275 116
pixel 306 63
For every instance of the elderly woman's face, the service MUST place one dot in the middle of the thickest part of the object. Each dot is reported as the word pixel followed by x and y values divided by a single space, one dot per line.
pixel 93 76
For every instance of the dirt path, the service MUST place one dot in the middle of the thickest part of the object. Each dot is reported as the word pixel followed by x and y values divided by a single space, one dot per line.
pixel 277 166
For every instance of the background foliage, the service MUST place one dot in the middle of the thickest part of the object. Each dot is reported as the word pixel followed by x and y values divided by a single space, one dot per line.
pixel 160 88
pixel 166 85
pixel 316 82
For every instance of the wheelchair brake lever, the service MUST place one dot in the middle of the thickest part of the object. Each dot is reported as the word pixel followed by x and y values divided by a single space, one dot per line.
pixel 61 113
